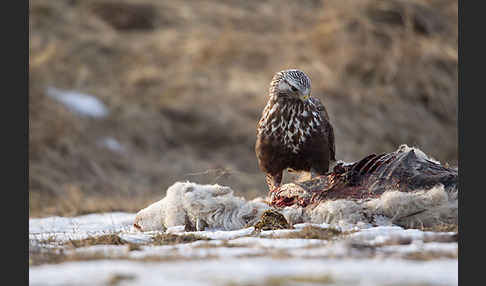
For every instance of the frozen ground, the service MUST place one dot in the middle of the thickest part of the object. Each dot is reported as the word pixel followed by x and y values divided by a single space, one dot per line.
pixel 63 251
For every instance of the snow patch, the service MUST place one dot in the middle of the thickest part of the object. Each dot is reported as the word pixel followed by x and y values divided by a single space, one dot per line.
pixel 112 144
pixel 240 256
pixel 80 103
pixel 115 221
pixel 249 271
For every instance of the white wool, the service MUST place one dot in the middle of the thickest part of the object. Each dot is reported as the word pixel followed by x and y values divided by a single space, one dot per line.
pixel 294 214
pixel 152 217
pixel 215 207
pixel 201 206
pixel 174 214
pixel 337 212
pixel 419 208
pixel 165 213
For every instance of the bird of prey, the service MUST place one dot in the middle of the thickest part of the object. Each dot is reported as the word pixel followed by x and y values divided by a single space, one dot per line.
pixel 294 131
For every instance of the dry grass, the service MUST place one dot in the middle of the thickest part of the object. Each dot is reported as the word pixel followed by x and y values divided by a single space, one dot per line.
pixel 56 256
pixel 74 202
pixel 114 239
pixel 324 279
pixel 53 255
pixel 106 239
pixel 185 82
pixel 443 228
pixel 169 238
pixel 311 232
pixel 429 255
pixel 117 278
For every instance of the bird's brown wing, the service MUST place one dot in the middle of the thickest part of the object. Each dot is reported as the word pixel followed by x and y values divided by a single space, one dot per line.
pixel 332 146
pixel 328 129
pixel 270 160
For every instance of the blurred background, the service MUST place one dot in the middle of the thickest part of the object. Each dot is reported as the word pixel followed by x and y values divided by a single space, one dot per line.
pixel 127 97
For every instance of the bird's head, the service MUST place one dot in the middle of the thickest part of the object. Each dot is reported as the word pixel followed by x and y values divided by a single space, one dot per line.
pixel 291 84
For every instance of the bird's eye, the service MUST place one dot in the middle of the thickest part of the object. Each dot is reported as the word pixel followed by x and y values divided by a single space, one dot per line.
pixel 294 89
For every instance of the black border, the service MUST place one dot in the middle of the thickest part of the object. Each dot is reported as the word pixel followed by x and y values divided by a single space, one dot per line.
pixel 460 131
pixel 16 138
pixel 15 132
pixel 471 171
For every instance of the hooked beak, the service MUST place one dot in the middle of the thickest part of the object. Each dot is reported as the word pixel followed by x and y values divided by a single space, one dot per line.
pixel 304 97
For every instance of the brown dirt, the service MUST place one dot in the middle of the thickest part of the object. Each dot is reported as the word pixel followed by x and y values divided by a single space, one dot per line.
pixel 312 232
pixel 107 239
pixel 170 238
pixel 185 83
pixel 114 239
